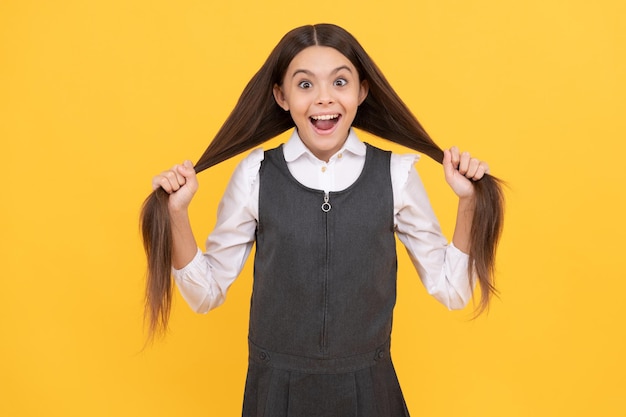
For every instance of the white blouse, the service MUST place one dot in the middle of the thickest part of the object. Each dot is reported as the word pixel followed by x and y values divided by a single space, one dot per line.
pixel 441 267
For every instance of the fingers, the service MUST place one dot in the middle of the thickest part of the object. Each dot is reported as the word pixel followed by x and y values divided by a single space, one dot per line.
pixel 471 168
pixel 480 171
pixel 173 179
pixel 455 157
pixel 449 167
pixel 170 180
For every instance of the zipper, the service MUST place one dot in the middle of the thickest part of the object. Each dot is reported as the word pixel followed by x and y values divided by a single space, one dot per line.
pixel 325 208
pixel 326 205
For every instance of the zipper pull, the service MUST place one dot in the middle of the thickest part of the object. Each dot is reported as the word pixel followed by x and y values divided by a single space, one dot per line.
pixel 326 205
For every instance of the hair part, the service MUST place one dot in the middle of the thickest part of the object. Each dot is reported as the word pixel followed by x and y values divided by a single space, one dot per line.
pixel 257 118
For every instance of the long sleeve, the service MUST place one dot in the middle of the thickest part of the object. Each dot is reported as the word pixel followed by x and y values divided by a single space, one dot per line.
pixel 203 282
pixel 441 267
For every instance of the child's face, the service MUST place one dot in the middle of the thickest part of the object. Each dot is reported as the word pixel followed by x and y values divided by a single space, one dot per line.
pixel 322 91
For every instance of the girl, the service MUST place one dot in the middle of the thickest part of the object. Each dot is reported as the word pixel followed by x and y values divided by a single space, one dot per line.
pixel 323 210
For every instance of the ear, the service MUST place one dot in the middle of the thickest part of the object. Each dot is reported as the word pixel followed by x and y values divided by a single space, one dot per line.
pixel 363 91
pixel 279 96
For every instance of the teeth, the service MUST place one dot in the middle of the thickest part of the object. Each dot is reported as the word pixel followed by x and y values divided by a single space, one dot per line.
pixel 325 117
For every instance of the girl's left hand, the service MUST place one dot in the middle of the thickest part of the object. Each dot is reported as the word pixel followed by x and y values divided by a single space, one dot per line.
pixel 461 169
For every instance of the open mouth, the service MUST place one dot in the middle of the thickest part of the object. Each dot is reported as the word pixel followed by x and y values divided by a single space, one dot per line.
pixel 325 122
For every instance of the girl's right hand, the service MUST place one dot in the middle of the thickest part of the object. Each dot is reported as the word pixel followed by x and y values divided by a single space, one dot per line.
pixel 180 183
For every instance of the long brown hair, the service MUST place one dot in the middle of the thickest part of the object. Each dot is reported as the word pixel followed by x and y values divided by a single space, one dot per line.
pixel 257 118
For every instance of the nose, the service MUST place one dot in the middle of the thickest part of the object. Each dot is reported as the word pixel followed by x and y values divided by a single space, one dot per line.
pixel 324 95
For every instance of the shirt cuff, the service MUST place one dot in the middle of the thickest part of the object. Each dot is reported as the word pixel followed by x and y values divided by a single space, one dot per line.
pixel 457 263
pixel 456 257
pixel 194 265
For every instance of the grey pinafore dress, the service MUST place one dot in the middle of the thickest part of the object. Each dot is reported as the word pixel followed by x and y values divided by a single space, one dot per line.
pixel 323 296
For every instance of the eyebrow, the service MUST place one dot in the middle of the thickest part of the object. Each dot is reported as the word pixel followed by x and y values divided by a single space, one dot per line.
pixel 307 72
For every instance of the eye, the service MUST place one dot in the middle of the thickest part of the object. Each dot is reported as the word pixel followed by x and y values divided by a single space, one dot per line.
pixel 305 84
pixel 340 82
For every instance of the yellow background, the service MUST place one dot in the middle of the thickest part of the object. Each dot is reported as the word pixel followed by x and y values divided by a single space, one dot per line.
pixel 98 96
